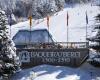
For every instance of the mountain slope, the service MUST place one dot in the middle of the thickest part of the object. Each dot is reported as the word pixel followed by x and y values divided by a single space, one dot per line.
pixel 58 28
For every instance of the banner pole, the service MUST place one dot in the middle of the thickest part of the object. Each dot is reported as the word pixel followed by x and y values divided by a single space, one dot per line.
pixel 67 29
pixel 86 24
pixel 48 26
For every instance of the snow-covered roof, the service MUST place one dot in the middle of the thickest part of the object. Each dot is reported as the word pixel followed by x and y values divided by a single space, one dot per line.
pixel 30 37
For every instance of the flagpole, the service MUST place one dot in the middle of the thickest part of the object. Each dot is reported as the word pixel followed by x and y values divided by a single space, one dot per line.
pixel 30 22
pixel 10 24
pixel 30 35
pixel 30 31
pixel 67 29
pixel 86 24
pixel 48 34
pixel 86 32
pixel 67 35
pixel 48 27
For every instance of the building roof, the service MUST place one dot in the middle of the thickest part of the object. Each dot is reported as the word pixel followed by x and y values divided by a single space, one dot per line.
pixel 34 36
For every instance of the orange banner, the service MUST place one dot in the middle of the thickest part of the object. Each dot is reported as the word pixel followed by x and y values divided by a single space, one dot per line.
pixel 30 20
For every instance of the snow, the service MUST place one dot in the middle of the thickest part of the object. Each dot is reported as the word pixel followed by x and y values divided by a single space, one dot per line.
pixel 48 72
pixel 94 56
pixel 8 55
pixel 58 28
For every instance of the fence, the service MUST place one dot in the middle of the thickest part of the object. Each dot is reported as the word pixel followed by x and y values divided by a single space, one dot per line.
pixel 56 45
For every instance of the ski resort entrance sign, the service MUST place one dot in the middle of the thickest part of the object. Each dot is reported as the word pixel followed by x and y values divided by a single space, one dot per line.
pixel 73 57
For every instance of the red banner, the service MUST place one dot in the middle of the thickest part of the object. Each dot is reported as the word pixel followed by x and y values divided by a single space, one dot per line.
pixel 48 20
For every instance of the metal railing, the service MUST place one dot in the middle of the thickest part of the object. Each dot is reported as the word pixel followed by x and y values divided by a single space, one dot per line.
pixel 56 45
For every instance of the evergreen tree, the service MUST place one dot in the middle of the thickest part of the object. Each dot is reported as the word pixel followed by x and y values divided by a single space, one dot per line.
pixel 95 40
pixel 9 62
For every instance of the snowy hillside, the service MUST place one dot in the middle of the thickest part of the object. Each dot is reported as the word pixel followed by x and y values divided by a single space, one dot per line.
pixel 58 28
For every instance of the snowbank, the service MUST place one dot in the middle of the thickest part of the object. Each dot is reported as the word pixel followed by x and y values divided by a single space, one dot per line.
pixel 48 72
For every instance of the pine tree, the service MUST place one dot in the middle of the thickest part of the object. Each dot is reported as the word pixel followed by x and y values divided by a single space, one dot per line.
pixel 9 61
pixel 95 40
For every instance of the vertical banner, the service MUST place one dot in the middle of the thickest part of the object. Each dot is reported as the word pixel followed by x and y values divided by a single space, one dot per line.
pixel 86 24
pixel 10 23
pixel 48 20
pixel 67 18
pixel 30 18
pixel 10 20
pixel 30 21
pixel 86 17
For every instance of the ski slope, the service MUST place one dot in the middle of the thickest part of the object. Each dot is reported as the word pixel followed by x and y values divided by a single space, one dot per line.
pixel 58 27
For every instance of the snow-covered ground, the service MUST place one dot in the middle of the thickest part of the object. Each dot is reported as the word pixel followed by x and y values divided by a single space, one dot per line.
pixel 58 28
pixel 48 72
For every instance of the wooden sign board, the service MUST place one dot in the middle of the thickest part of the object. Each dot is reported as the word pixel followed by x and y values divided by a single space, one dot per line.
pixel 63 57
